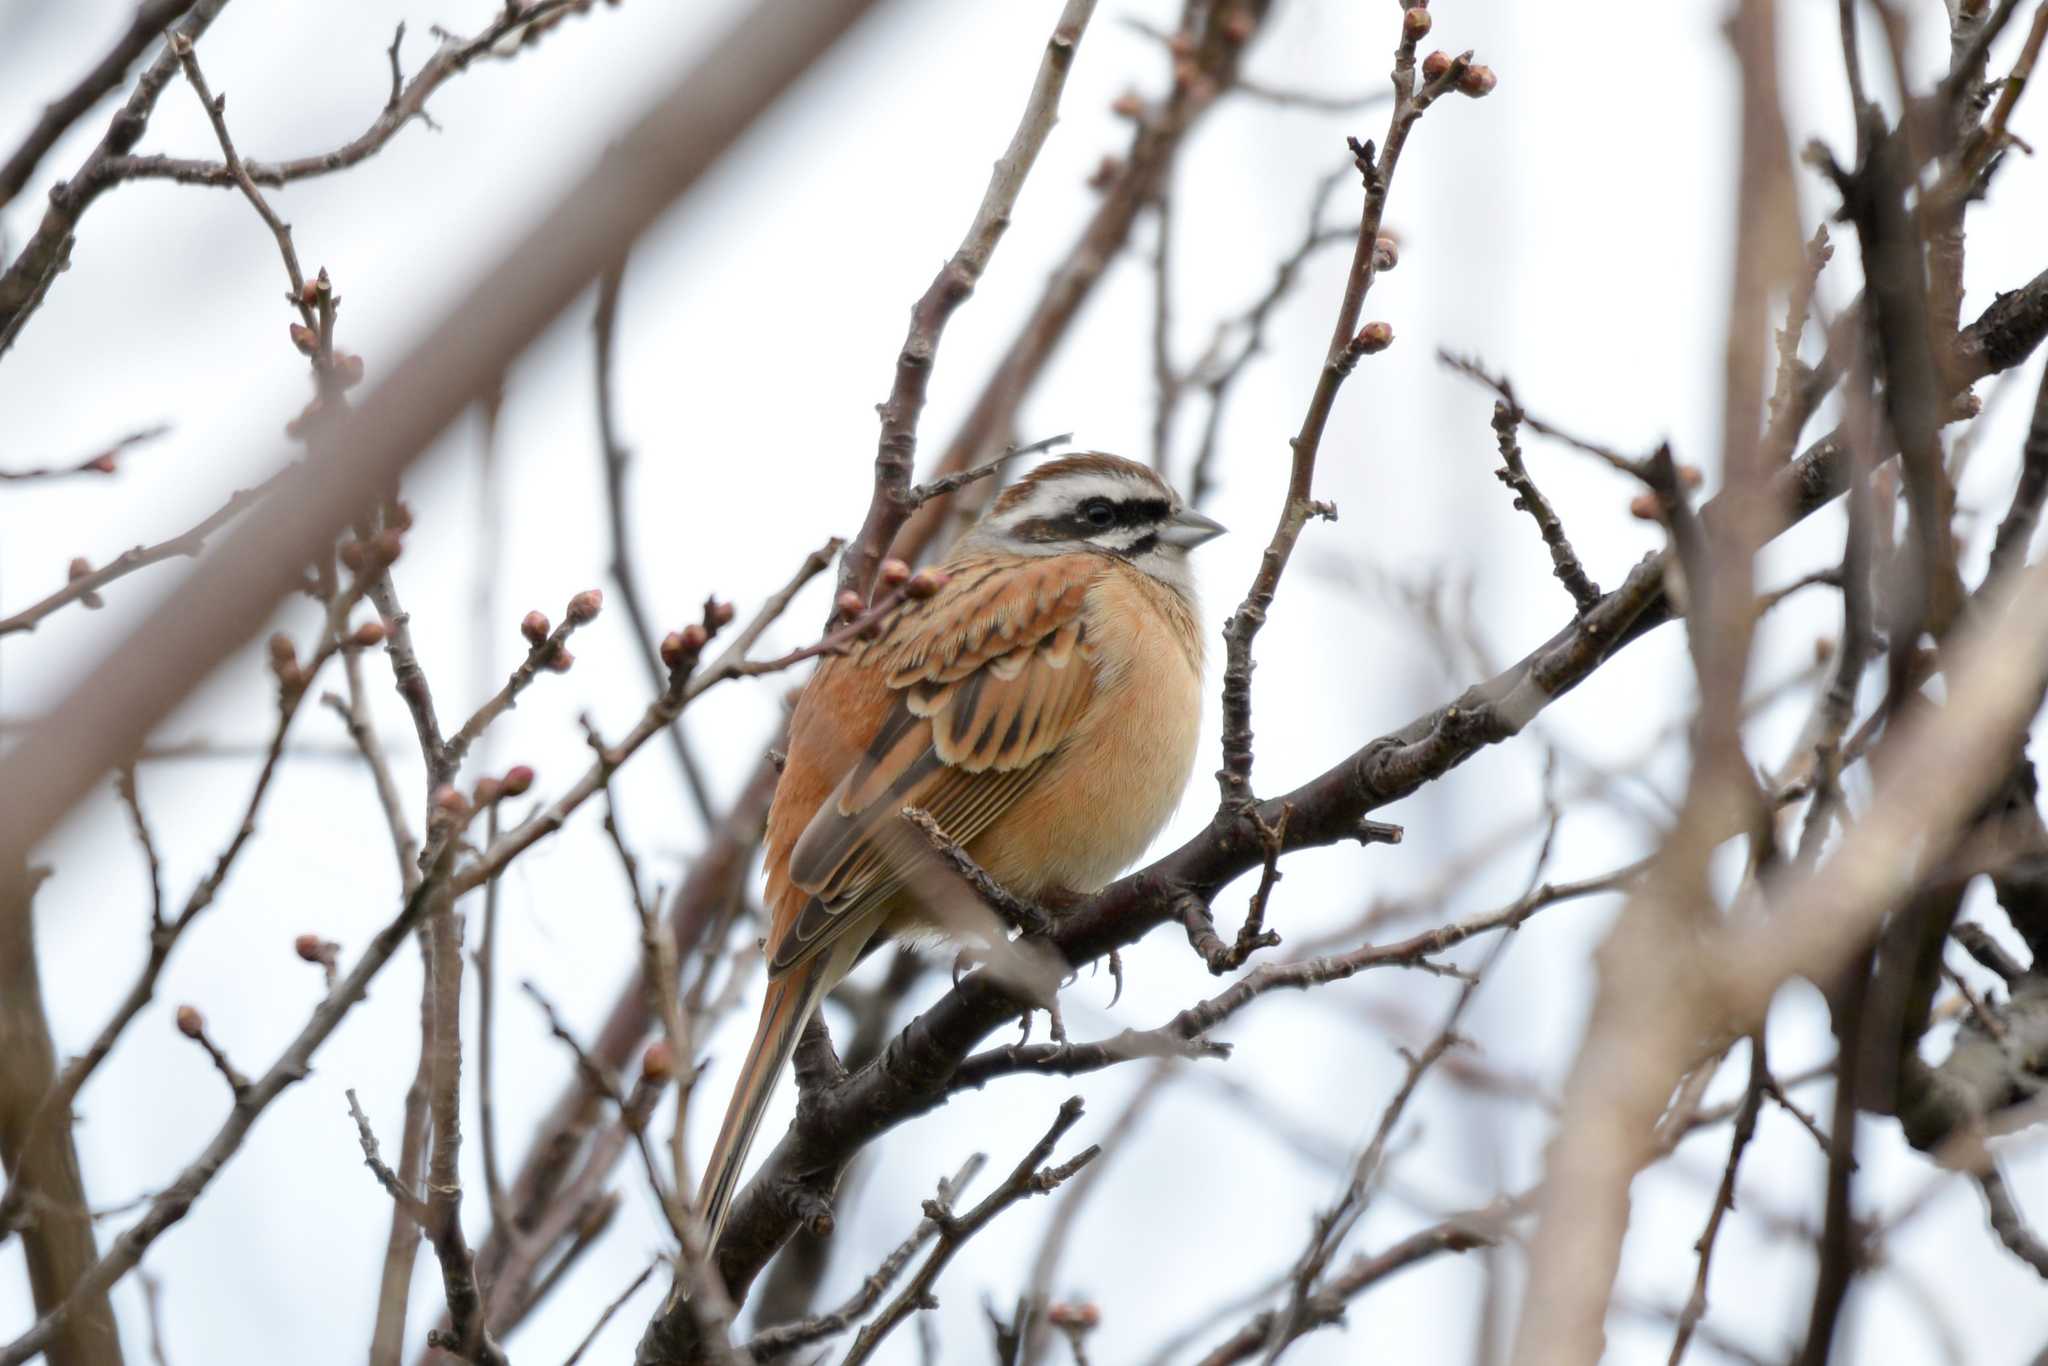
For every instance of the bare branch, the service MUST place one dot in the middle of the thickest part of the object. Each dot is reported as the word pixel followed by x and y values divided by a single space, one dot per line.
pixel 1030 1177
pixel 895 458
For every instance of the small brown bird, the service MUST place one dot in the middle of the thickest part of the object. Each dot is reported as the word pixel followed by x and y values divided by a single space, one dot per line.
pixel 1043 706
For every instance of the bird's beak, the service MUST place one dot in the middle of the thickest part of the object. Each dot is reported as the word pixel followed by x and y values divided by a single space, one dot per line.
pixel 1190 528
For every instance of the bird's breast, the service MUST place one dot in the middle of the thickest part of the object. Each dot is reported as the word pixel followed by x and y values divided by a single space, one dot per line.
pixel 1118 779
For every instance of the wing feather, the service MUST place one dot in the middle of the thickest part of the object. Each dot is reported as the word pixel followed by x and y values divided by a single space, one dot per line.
pixel 986 679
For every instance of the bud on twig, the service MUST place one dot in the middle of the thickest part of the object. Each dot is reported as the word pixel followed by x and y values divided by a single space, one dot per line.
pixel 387 547
pixel 348 369
pixel 79 568
pixel 925 583
pixel 717 614
pixel 584 607
pixel 679 648
pixel 314 949
pixel 1386 252
pixel 850 604
pixel 450 804
pixel 517 780
pixel 1415 24
pixel 303 337
pixel 535 627
pixel 355 556
pixel 488 791
pixel 1476 81
pixel 1435 65
pixel 895 573
pixel 561 661
pixel 284 658
pixel 1647 507
pixel 369 635
pixel 190 1022
pixel 658 1063
pixel 1373 337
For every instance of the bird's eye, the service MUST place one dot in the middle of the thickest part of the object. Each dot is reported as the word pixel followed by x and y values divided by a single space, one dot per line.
pixel 1098 512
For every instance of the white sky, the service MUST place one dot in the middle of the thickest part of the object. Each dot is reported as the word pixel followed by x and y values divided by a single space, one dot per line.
pixel 1573 230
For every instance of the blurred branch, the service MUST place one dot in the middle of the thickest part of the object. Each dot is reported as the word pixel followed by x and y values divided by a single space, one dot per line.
pixel 104 715
pixel 2009 1223
pixel 27 279
pixel 151 18
pixel 624 566
pixel 1647 1022
pixel 101 461
pixel 57 1242
pixel 1284 97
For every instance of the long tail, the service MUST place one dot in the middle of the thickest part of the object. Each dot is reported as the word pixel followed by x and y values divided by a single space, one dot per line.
pixel 784 1013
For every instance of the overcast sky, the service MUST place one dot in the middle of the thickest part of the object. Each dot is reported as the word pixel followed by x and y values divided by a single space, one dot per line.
pixel 1574 230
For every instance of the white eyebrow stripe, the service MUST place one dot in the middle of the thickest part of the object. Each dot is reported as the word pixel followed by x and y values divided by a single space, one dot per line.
pixel 1058 495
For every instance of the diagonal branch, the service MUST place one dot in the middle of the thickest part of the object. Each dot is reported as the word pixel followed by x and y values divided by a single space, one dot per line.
pixel 896 454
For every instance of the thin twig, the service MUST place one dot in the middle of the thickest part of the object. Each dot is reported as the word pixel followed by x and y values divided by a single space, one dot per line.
pixel 216 113
pixel 779 1341
pixel 606 1317
pixel 1724 1198
pixel 165 934
pixel 604 329
pixel 1528 498
pixel 896 452
pixel 187 543
pixel 410 1204
pixel 1347 344
pixel 100 462
pixel 1030 1177
pixel 499 40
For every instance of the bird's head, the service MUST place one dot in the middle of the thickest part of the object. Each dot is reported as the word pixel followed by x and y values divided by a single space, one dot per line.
pixel 1097 502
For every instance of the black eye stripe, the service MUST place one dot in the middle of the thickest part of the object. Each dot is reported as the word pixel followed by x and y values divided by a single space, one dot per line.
pixel 1124 512
pixel 1075 525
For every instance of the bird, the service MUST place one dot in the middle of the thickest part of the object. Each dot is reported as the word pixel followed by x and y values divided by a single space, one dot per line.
pixel 1042 705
